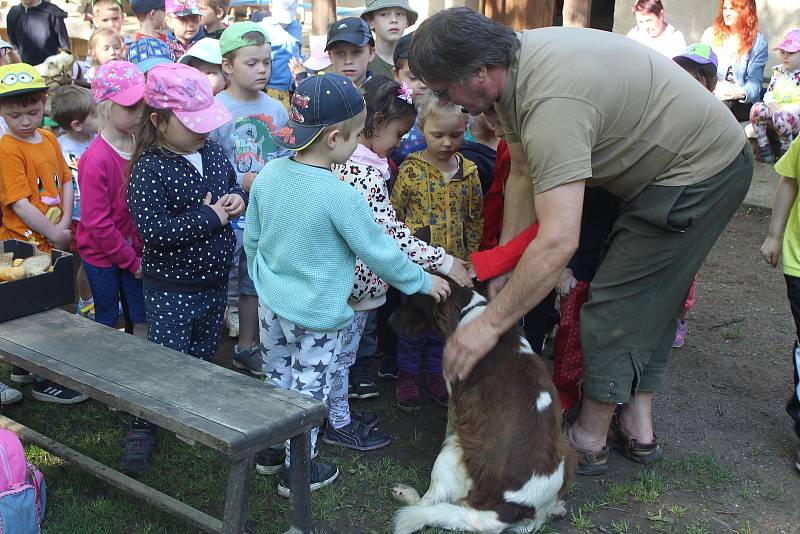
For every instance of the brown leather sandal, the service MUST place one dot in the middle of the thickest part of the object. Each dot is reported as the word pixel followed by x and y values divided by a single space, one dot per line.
pixel 590 463
pixel 630 448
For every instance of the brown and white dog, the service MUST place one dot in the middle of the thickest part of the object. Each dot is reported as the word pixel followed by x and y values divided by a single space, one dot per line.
pixel 504 464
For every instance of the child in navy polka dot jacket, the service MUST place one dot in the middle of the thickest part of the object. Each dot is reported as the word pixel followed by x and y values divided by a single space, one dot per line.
pixel 182 193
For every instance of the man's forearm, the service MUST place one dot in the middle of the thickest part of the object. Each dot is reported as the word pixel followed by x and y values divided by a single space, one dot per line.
pixel 518 211
pixel 534 277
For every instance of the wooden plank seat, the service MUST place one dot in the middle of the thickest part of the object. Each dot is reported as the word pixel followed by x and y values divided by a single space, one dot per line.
pixel 225 410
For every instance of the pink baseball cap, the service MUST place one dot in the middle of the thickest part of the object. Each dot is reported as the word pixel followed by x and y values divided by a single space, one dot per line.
pixel 182 8
pixel 187 92
pixel 790 43
pixel 119 81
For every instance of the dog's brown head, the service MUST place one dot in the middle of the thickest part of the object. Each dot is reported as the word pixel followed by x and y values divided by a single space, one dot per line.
pixel 421 312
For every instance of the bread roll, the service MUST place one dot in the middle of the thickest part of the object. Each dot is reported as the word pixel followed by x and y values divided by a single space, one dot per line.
pixel 8 274
pixel 6 259
pixel 36 264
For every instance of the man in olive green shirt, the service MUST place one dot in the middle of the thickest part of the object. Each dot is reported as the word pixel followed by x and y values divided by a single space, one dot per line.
pixel 588 108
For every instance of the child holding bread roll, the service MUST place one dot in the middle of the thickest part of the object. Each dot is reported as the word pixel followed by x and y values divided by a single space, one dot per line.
pixel 35 195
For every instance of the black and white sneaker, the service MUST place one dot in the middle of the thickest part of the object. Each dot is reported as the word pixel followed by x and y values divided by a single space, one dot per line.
pixel 270 461
pixel 21 376
pixel 356 436
pixel 321 476
pixel 49 391
pixel 363 388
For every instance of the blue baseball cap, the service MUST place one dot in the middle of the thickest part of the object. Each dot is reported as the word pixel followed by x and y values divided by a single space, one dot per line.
pixel 148 52
pixel 146 6
pixel 351 30
pixel 319 101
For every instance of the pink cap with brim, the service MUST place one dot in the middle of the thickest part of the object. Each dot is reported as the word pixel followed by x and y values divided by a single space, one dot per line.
pixel 319 59
pixel 187 92
pixel 790 43
pixel 118 81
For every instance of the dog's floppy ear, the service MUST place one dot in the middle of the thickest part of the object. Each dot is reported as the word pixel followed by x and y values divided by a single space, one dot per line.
pixel 414 317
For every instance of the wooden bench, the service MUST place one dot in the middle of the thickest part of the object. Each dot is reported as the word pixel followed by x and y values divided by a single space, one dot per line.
pixel 225 410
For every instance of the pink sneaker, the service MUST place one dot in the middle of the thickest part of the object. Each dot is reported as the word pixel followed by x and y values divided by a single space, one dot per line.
pixel 680 335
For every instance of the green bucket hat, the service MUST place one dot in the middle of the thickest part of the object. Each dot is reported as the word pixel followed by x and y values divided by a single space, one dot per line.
pixel 375 5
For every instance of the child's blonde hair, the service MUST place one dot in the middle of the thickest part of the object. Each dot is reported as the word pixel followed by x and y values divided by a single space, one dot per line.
pixel 70 103
pixel 430 105
pixel 109 5
pixel 96 35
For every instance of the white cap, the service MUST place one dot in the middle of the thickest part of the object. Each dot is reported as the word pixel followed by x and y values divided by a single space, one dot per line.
pixel 319 59
pixel 284 11
pixel 206 49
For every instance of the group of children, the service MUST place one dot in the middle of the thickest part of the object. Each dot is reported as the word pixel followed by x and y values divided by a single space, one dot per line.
pixel 186 189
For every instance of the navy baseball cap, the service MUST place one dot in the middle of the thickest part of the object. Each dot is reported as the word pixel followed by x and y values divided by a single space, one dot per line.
pixel 146 6
pixel 148 52
pixel 403 48
pixel 351 30
pixel 319 101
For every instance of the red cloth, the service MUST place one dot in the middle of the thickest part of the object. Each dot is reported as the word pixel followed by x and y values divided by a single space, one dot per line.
pixel 502 258
pixel 106 235
pixel 159 35
pixel 493 199
pixel 567 351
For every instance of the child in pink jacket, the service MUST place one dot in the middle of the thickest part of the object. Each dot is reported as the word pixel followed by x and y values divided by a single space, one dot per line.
pixel 107 241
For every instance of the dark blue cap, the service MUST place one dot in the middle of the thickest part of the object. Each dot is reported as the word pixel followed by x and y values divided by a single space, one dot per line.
pixel 351 30
pixel 318 101
pixel 146 6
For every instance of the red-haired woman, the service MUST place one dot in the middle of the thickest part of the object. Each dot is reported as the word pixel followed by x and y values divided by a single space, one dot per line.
pixel 742 53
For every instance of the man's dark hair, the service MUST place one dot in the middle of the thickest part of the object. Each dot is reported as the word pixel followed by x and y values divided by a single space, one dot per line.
pixel 648 6
pixel 454 44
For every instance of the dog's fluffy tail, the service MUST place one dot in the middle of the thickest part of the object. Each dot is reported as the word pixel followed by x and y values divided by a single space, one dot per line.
pixel 447 516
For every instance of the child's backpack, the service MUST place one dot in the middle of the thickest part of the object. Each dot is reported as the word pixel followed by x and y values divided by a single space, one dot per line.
pixel 22 492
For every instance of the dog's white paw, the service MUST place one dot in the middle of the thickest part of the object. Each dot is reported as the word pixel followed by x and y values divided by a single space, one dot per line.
pixel 405 494
pixel 558 510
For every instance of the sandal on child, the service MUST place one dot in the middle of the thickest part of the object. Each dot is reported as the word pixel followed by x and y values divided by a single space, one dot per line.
pixel 590 463
pixel 630 448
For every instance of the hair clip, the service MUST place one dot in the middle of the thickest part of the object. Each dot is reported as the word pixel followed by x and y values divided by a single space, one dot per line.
pixel 405 92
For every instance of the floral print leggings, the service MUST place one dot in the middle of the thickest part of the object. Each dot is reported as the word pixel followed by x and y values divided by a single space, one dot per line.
pixel 785 123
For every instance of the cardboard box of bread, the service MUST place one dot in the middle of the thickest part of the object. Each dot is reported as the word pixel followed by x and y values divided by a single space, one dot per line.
pixel 32 281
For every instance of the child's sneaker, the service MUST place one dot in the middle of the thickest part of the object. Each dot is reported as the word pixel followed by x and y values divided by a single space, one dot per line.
pixel 355 436
pixel 85 309
pixel 435 387
pixel 363 388
pixel 9 395
pixel 321 476
pixel 680 335
pixel 249 359
pixel 366 418
pixel 137 452
pixel 21 376
pixel 232 321
pixel 387 369
pixel 406 392
pixel 270 461
pixel 49 391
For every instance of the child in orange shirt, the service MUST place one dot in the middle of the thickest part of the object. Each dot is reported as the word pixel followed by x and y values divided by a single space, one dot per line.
pixel 35 187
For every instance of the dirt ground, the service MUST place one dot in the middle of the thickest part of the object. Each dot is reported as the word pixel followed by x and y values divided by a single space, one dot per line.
pixel 721 422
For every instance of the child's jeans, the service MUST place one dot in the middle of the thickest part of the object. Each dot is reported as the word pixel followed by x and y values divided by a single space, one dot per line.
pixel 186 322
pixel 793 406
pixel 410 353
pixel 239 282
pixel 785 123
pixel 109 284
pixel 338 405
pixel 367 346
pixel 297 358
pixel 567 352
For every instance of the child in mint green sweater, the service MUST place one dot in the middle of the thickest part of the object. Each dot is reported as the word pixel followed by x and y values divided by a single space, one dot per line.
pixel 303 233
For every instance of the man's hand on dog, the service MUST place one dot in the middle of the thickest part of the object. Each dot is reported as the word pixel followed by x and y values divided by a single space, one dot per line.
pixel 466 346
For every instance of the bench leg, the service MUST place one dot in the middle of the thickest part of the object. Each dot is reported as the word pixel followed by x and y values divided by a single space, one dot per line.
pixel 299 481
pixel 236 496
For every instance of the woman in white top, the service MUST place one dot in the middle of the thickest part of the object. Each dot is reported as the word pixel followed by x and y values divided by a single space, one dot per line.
pixel 653 31
pixel 742 53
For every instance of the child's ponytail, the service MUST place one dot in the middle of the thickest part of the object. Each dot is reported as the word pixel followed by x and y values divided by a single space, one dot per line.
pixel 386 100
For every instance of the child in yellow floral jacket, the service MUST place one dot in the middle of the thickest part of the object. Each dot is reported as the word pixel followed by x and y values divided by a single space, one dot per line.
pixel 440 189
